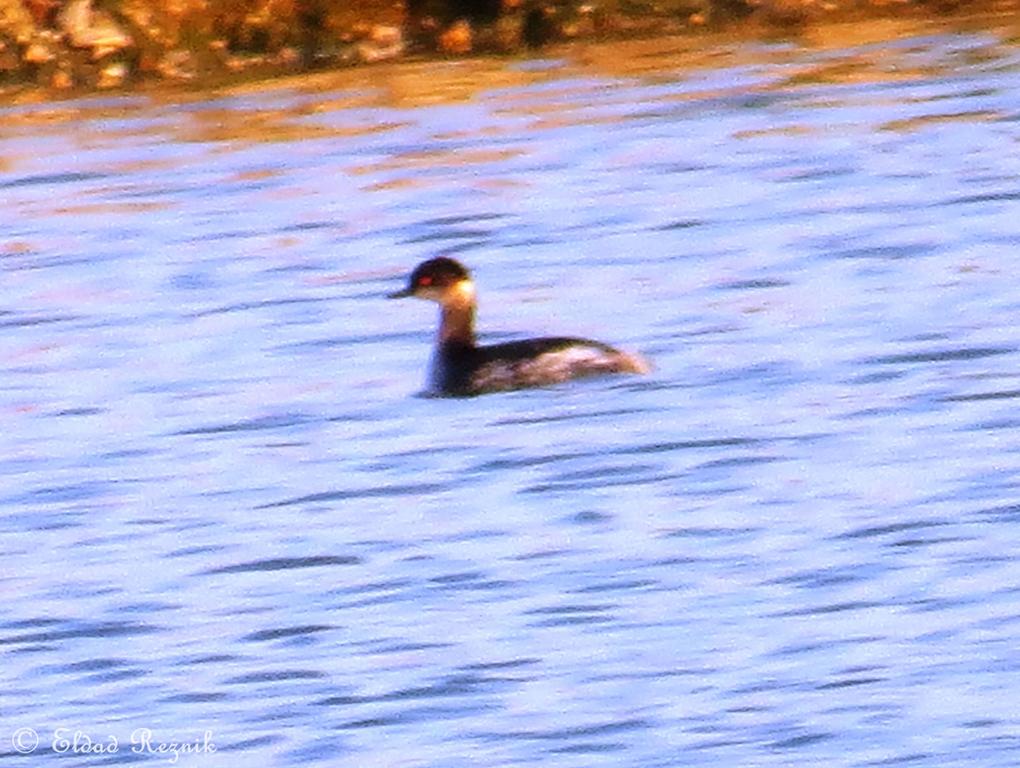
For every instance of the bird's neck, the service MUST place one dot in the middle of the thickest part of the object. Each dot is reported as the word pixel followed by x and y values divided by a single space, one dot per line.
pixel 457 321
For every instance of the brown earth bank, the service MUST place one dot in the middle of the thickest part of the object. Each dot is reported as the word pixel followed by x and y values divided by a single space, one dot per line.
pixel 84 44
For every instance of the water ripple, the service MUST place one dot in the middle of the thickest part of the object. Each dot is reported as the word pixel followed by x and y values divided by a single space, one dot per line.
pixel 285 563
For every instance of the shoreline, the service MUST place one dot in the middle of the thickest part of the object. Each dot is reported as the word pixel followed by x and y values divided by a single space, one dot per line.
pixel 70 48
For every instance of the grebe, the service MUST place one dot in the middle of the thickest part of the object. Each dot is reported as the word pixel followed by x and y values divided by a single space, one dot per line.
pixel 460 367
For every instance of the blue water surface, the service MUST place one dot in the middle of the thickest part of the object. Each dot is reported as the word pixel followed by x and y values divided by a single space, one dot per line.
pixel 227 519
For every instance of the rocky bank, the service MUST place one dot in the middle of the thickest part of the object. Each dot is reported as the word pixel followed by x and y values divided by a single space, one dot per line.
pixel 86 44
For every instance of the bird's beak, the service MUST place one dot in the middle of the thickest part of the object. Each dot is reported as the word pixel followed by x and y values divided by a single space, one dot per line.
pixel 400 294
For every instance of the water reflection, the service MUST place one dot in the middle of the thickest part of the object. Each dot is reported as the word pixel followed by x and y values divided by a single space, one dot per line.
pixel 223 508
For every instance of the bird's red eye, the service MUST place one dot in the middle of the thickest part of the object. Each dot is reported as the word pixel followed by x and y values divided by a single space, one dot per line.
pixel 424 280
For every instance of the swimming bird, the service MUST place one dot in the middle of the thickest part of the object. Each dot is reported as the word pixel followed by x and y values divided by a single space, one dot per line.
pixel 460 367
